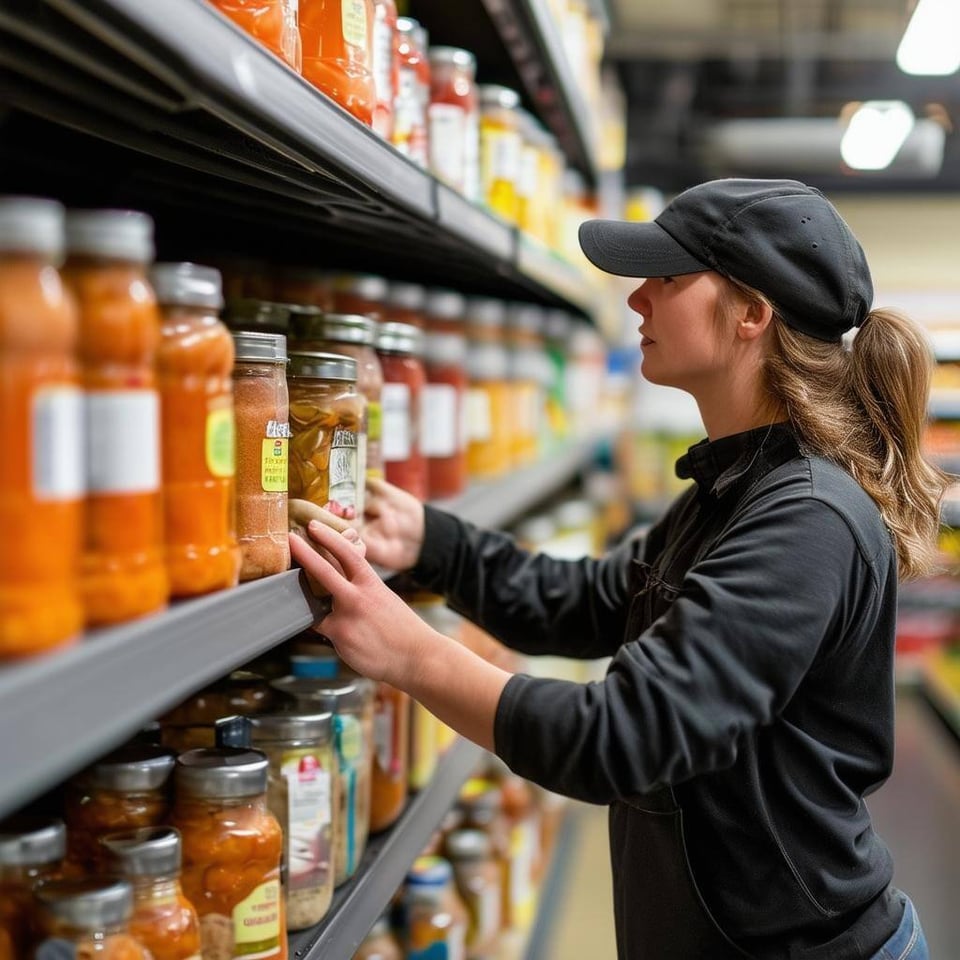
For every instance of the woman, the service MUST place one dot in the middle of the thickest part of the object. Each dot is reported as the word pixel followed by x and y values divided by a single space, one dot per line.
pixel 749 705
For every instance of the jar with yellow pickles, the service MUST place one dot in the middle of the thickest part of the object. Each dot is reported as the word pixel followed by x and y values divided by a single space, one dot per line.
pixel 327 417
pixel 501 145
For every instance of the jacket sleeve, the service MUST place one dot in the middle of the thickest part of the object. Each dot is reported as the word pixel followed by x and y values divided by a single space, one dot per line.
pixel 530 602
pixel 723 660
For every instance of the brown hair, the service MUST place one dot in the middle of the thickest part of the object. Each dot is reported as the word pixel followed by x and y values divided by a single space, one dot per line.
pixel 865 409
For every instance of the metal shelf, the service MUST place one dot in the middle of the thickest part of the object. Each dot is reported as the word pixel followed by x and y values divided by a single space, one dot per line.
pixel 359 902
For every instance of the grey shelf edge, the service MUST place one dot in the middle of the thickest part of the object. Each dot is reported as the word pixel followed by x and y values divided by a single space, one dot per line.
pixel 537 262
pixel 388 857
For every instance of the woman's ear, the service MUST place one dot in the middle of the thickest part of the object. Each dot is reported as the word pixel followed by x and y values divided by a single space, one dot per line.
pixel 754 320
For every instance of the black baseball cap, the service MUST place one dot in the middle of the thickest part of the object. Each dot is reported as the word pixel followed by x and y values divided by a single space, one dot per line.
pixel 780 237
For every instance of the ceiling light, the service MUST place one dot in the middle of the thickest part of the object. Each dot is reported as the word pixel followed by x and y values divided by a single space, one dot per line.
pixel 876 132
pixel 931 42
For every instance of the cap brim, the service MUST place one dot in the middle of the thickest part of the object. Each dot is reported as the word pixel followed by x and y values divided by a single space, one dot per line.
pixel 629 249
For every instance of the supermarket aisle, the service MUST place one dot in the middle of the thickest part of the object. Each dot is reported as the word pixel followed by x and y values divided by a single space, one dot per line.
pixel 917 812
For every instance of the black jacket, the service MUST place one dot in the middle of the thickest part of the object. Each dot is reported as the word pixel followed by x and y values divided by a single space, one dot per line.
pixel 752 636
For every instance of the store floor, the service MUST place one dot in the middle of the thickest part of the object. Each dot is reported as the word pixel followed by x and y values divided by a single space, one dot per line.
pixel 917 812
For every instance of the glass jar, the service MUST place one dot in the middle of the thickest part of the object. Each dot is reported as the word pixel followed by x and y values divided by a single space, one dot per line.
pixel 262 411
pixel 301 791
pixel 379 943
pixel 194 367
pixel 232 847
pixel 352 335
pixel 400 348
pixel 527 367
pixel 41 415
pixel 479 881
pixel 31 850
pixel 481 804
pixel 164 921
pixel 490 410
pixel 405 302
pixel 327 420
pixel 454 119
pixel 391 756
pixel 410 129
pixel 351 701
pixel 501 146
pixel 123 572
pixel 303 285
pixel 86 917
pixel 436 917
pixel 523 827
pixel 125 790
pixel 363 293
pixel 249 315
pixel 558 325
pixel 337 41
pixel 386 65
pixel 272 22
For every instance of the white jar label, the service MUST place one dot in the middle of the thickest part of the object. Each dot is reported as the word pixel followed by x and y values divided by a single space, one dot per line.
pixel 344 473
pixel 58 444
pixel 440 421
pixel 479 418
pixel 396 440
pixel 123 441
pixel 447 143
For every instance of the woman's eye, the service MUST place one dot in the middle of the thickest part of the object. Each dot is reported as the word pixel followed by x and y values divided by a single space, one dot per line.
pixel 667 279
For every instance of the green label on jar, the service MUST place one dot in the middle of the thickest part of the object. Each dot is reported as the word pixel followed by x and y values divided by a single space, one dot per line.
pixel 374 422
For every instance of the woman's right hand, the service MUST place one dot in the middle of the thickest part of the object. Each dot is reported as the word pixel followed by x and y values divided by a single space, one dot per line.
pixel 393 527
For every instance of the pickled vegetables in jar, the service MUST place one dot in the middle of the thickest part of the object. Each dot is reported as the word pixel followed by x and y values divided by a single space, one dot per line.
pixel 232 847
pixel 327 417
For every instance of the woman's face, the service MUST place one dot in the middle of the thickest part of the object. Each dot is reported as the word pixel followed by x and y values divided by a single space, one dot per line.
pixel 683 343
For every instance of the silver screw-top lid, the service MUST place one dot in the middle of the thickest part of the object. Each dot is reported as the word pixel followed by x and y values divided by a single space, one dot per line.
pixel 558 324
pixel 114 234
pixel 336 694
pixel 410 296
pixel 573 514
pixel 525 316
pixel 455 56
pixel 291 728
pixel 187 285
pixel 493 95
pixel 27 840
pixel 338 327
pixel 322 366
pixel 536 530
pixel 221 772
pixel 32 225
pixel 468 845
pixel 366 285
pixel 146 852
pixel 89 903
pixel 253 347
pixel 130 769
pixel 261 316
pixel 444 348
pixel 486 312
pixel 446 304
pixel 402 338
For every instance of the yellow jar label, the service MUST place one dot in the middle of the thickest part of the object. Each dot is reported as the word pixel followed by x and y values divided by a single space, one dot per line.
pixel 220 440
pixel 273 465
pixel 256 923
pixel 353 15
pixel 374 421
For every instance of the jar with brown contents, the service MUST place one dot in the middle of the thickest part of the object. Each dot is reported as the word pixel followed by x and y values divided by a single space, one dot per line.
pixel 88 916
pixel 125 790
pixel 326 418
pixel 31 850
pixel 163 920
pixel 232 847
pixel 261 402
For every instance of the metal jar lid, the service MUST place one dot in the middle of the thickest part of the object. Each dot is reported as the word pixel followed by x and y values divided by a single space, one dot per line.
pixel 114 234
pixel 145 852
pixel 323 366
pixel 402 338
pixel 558 324
pixel 366 285
pixel 337 694
pixel 429 872
pixel 187 285
pixel 90 903
pixel 493 95
pixel 525 316
pixel 32 225
pixel 262 316
pixel 253 347
pixel 340 328
pixel 455 56
pixel 291 728
pixel 408 295
pixel 445 304
pixel 222 772
pixel 26 840
pixel 468 845
pixel 131 769
pixel 486 312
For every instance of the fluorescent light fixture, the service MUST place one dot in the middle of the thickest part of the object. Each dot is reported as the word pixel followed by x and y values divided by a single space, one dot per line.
pixel 931 42
pixel 876 132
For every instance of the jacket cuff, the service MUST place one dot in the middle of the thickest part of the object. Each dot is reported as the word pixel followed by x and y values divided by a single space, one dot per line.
pixel 505 739
pixel 442 532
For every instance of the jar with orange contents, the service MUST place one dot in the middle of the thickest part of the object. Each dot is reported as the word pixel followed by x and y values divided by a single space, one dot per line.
pixel 163 920
pixel 272 22
pixel 123 573
pixel 385 65
pixel 363 293
pixel 337 42
pixel 125 790
pixel 405 303
pixel 41 417
pixel 31 850
pixel 232 846
pixel 194 366
pixel 86 917
pixel 437 920
pixel 410 127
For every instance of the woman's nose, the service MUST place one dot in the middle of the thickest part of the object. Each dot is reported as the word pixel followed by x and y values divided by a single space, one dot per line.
pixel 638 300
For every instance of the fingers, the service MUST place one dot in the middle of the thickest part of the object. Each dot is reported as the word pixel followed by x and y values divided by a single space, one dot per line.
pixel 318 569
pixel 340 548
pixel 301 512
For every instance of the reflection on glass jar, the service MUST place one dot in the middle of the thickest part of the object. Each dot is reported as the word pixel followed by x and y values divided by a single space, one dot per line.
pixel 436 917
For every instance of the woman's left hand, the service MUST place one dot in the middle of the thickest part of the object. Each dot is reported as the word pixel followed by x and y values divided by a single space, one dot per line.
pixel 372 629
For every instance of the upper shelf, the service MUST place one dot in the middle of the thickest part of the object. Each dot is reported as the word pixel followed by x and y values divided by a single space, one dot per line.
pixel 64 710
pixel 174 107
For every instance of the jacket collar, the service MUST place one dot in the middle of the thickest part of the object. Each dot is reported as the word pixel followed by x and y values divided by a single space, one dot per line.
pixel 718 465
